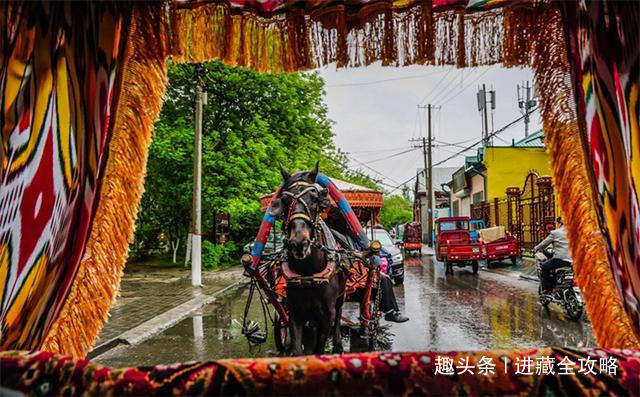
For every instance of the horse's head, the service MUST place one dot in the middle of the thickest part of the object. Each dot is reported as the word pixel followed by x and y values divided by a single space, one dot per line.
pixel 300 205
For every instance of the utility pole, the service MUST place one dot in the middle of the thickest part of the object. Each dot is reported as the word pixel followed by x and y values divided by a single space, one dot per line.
pixel 428 171
pixel 482 107
pixel 526 102
pixel 196 238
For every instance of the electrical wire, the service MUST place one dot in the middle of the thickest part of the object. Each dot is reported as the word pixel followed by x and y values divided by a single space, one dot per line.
pixel 445 88
pixel 378 150
pixel 403 183
pixel 371 169
pixel 455 87
pixel 447 100
pixel 360 173
pixel 466 83
pixel 383 80
pixel 436 87
pixel 390 156
pixel 480 141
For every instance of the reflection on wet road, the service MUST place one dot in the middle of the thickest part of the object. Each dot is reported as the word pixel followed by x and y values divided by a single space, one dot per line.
pixel 462 311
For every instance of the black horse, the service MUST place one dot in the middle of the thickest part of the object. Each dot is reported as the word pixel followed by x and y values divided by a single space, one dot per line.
pixel 315 283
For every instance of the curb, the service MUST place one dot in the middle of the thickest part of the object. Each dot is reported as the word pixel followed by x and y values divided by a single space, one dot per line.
pixel 160 323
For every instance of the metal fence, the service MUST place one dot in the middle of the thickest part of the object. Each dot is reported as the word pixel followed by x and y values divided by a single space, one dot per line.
pixel 528 213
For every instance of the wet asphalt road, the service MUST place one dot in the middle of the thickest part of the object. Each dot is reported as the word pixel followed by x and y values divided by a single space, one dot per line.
pixel 491 310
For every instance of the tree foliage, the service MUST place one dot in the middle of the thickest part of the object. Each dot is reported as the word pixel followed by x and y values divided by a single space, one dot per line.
pixel 252 122
pixel 396 210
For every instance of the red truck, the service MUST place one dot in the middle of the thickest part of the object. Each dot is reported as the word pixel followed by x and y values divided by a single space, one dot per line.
pixel 497 244
pixel 504 248
pixel 454 244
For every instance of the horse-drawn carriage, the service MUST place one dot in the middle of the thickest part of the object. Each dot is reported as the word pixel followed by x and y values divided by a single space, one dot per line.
pixel 412 238
pixel 329 215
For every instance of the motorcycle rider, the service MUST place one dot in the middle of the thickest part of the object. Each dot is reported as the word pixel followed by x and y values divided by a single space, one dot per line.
pixel 561 256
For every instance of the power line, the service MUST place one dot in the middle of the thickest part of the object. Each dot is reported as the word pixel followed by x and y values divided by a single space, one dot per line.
pixel 404 183
pixel 455 87
pixel 474 76
pixel 371 169
pixel 434 88
pixel 480 141
pixel 446 150
pixel 447 100
pixel 390 156
pixel 455 143
pixel 377 150
pixel 383 80
pixel 357 172
pixel 445 88
pixel 447 144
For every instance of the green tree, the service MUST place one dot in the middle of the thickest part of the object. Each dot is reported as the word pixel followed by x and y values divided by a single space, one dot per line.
pixel 396 210
pixel 252 123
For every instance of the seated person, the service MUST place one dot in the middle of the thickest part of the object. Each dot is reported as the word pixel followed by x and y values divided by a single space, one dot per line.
pixel 388 303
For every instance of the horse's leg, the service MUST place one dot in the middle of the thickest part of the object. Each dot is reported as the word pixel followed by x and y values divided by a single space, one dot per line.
pixel 296 326
pixel 323 334
pixel 337 335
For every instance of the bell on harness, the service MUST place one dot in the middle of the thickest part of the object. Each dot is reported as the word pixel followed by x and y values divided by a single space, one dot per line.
pixel 251 331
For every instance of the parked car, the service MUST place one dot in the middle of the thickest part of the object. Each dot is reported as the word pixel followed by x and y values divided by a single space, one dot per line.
pixel 274 243
pixel 454 244
pixel 397 259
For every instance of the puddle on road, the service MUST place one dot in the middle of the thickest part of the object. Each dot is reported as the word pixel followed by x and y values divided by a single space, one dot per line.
pixel 455 312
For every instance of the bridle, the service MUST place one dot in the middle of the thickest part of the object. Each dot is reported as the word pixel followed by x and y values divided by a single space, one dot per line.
pixel 311 219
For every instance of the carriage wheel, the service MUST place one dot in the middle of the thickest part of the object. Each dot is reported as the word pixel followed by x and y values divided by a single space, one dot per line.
pixel 281 333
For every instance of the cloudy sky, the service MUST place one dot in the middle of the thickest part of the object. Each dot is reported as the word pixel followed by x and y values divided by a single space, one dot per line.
pixel 375 113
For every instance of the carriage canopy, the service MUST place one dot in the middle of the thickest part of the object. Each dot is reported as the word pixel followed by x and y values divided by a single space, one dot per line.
pixel 365 202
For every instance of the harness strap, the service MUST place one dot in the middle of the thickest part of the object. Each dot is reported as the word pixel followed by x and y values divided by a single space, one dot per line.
pixel 317 278
pixel 300 215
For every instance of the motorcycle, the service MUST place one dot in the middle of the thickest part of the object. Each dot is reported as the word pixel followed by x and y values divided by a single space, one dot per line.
pixel 565 292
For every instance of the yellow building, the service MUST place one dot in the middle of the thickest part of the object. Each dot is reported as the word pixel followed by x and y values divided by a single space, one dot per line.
pixel 509 166
pixel 488 174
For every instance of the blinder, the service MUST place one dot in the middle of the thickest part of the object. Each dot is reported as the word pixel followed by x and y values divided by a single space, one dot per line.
pixel 304 214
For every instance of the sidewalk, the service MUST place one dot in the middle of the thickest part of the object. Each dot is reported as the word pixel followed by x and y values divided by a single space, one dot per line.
pixel 147 291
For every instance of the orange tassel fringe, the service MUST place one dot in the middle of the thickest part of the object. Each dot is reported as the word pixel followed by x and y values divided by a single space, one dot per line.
pixel 96 284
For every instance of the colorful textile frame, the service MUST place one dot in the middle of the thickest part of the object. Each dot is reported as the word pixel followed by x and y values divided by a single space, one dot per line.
pixel 604 45
pixel 55 192
pixel 582 372
pixel 58 74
